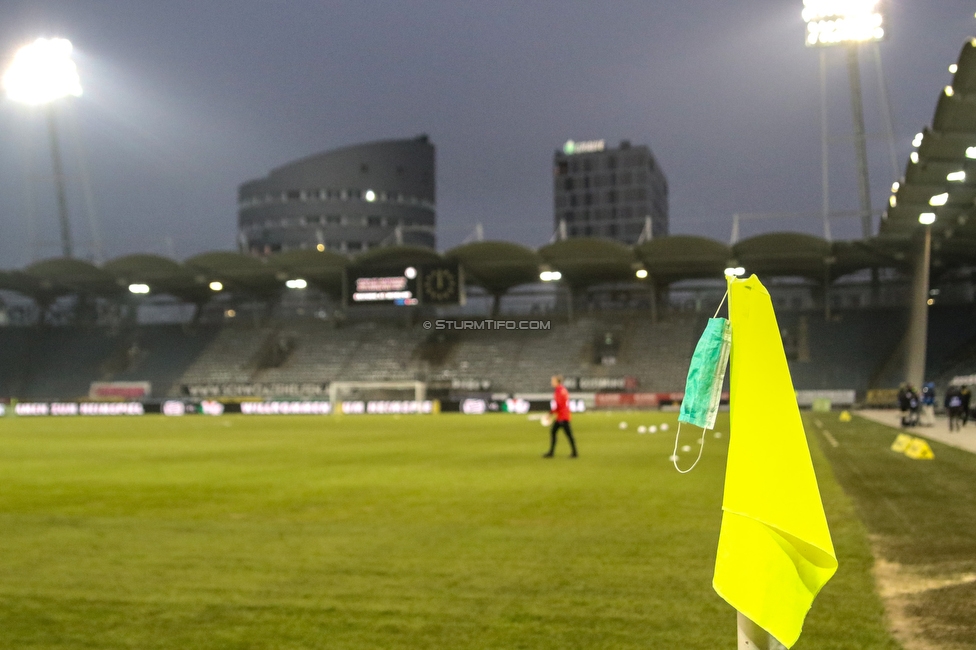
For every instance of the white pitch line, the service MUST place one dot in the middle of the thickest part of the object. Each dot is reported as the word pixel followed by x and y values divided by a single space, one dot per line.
pixel 832 440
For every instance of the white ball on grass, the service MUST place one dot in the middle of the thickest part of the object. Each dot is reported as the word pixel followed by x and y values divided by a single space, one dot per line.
pixel 642 429
pixel 623 425
pixel 652 429
pixel 673 458
pixel 686 448
pixel 718 434
pixel 664 427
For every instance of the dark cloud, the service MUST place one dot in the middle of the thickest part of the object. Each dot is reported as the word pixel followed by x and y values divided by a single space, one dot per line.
pixel 184 100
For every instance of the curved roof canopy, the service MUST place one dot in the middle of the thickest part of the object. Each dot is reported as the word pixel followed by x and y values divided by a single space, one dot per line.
pixel 237 271
pixel 63 275
pixel 323 269
pixel 940 177
pixel 387 257
pixel 586 261
pixel 784 254
pixel 162 274
pixel 682 257
pixel 497 266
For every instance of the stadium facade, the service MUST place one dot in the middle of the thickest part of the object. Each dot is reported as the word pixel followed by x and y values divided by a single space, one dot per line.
pixel 620 194
pixel 346 200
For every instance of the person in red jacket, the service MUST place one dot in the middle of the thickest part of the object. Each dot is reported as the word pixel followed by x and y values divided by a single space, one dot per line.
pixel 561 417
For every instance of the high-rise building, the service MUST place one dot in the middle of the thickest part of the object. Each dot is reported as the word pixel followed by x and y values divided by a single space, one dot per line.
pixel 617 193
pixel 346 200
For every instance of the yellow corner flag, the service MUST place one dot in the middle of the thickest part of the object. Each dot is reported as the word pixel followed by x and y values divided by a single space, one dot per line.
pixel 774 549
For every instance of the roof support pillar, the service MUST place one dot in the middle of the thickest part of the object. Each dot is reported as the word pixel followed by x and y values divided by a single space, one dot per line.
pixel 918 324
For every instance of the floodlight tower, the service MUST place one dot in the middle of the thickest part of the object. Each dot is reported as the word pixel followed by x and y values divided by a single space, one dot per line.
pixel 42 73
pixel 848 23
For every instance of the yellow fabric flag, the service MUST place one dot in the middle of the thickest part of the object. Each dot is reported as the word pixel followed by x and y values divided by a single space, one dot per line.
pixel 774 549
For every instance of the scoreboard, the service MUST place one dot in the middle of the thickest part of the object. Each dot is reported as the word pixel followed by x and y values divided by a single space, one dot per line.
pixel 430 284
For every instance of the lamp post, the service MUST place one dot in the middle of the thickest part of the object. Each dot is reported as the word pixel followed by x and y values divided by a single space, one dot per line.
pixel 850 23
pixel 40 74
pixel 918 324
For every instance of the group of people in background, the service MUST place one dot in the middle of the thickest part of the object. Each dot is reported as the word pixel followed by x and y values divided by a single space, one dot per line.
pixel 957 406
pixel 918 407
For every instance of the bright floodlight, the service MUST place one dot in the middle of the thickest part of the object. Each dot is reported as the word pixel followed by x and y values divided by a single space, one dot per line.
pixel 297 283
pixel 833 22
pixel 550 276
pixel 735 271
pixel 139 288
pixel 410 273
pixel 917 142
pixel 370 196
pixel 956 177
pixel 971 152
pixel 939 199
pixel 216 286
pixel 641 273
pixel 42 72
pixel 926 218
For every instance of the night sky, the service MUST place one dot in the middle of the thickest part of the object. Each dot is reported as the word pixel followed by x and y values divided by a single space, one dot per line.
pixel 184 100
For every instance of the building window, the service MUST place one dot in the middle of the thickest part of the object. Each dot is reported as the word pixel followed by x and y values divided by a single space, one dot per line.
pixel 293 195
pixel 612 196
pixel 364 168
pixel 562 168
pixel 568 185
pixel 611 162
pixel 352 246
pixel 572 200
pixel 374 221
pixel 333 219
pixel 612 230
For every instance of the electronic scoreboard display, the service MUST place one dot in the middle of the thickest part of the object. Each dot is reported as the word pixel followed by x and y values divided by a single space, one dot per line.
pixel 432 284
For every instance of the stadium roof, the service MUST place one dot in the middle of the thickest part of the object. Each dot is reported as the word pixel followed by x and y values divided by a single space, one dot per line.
pixel 940 176
pixel 322 269
pixel 497 266
pixel 682 257
pixel 586 261
pixel 394 256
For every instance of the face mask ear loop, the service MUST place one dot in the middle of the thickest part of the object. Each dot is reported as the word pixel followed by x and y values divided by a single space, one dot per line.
pixel 674 454
pixel 721 303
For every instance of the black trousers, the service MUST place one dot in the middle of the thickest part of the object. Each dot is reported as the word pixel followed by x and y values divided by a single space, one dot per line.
pixel 564 425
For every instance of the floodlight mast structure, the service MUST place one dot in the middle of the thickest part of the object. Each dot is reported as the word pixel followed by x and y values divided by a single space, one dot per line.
pixel 849 23
pixel 42 73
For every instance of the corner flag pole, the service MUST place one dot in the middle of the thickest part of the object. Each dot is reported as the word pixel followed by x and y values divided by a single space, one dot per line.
pixel 753 637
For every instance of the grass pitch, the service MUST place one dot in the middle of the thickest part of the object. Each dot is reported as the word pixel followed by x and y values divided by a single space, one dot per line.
pixel 379 532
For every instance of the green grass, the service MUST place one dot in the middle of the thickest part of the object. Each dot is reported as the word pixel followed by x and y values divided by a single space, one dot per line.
pixel 921 514
pixel 378 532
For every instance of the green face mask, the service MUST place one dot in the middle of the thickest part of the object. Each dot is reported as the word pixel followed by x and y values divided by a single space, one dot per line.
pixel 703 389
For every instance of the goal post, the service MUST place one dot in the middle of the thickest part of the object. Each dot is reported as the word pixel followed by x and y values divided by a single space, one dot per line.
pixel 344 391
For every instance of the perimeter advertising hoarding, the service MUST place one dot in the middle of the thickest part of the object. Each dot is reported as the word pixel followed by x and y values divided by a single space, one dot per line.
pixel 429 284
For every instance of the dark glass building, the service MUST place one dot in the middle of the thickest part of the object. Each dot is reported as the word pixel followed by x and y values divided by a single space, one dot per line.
pixel 617 193
pixel 346 200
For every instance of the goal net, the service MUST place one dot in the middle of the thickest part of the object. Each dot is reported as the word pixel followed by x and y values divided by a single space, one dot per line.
pixel 365 391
